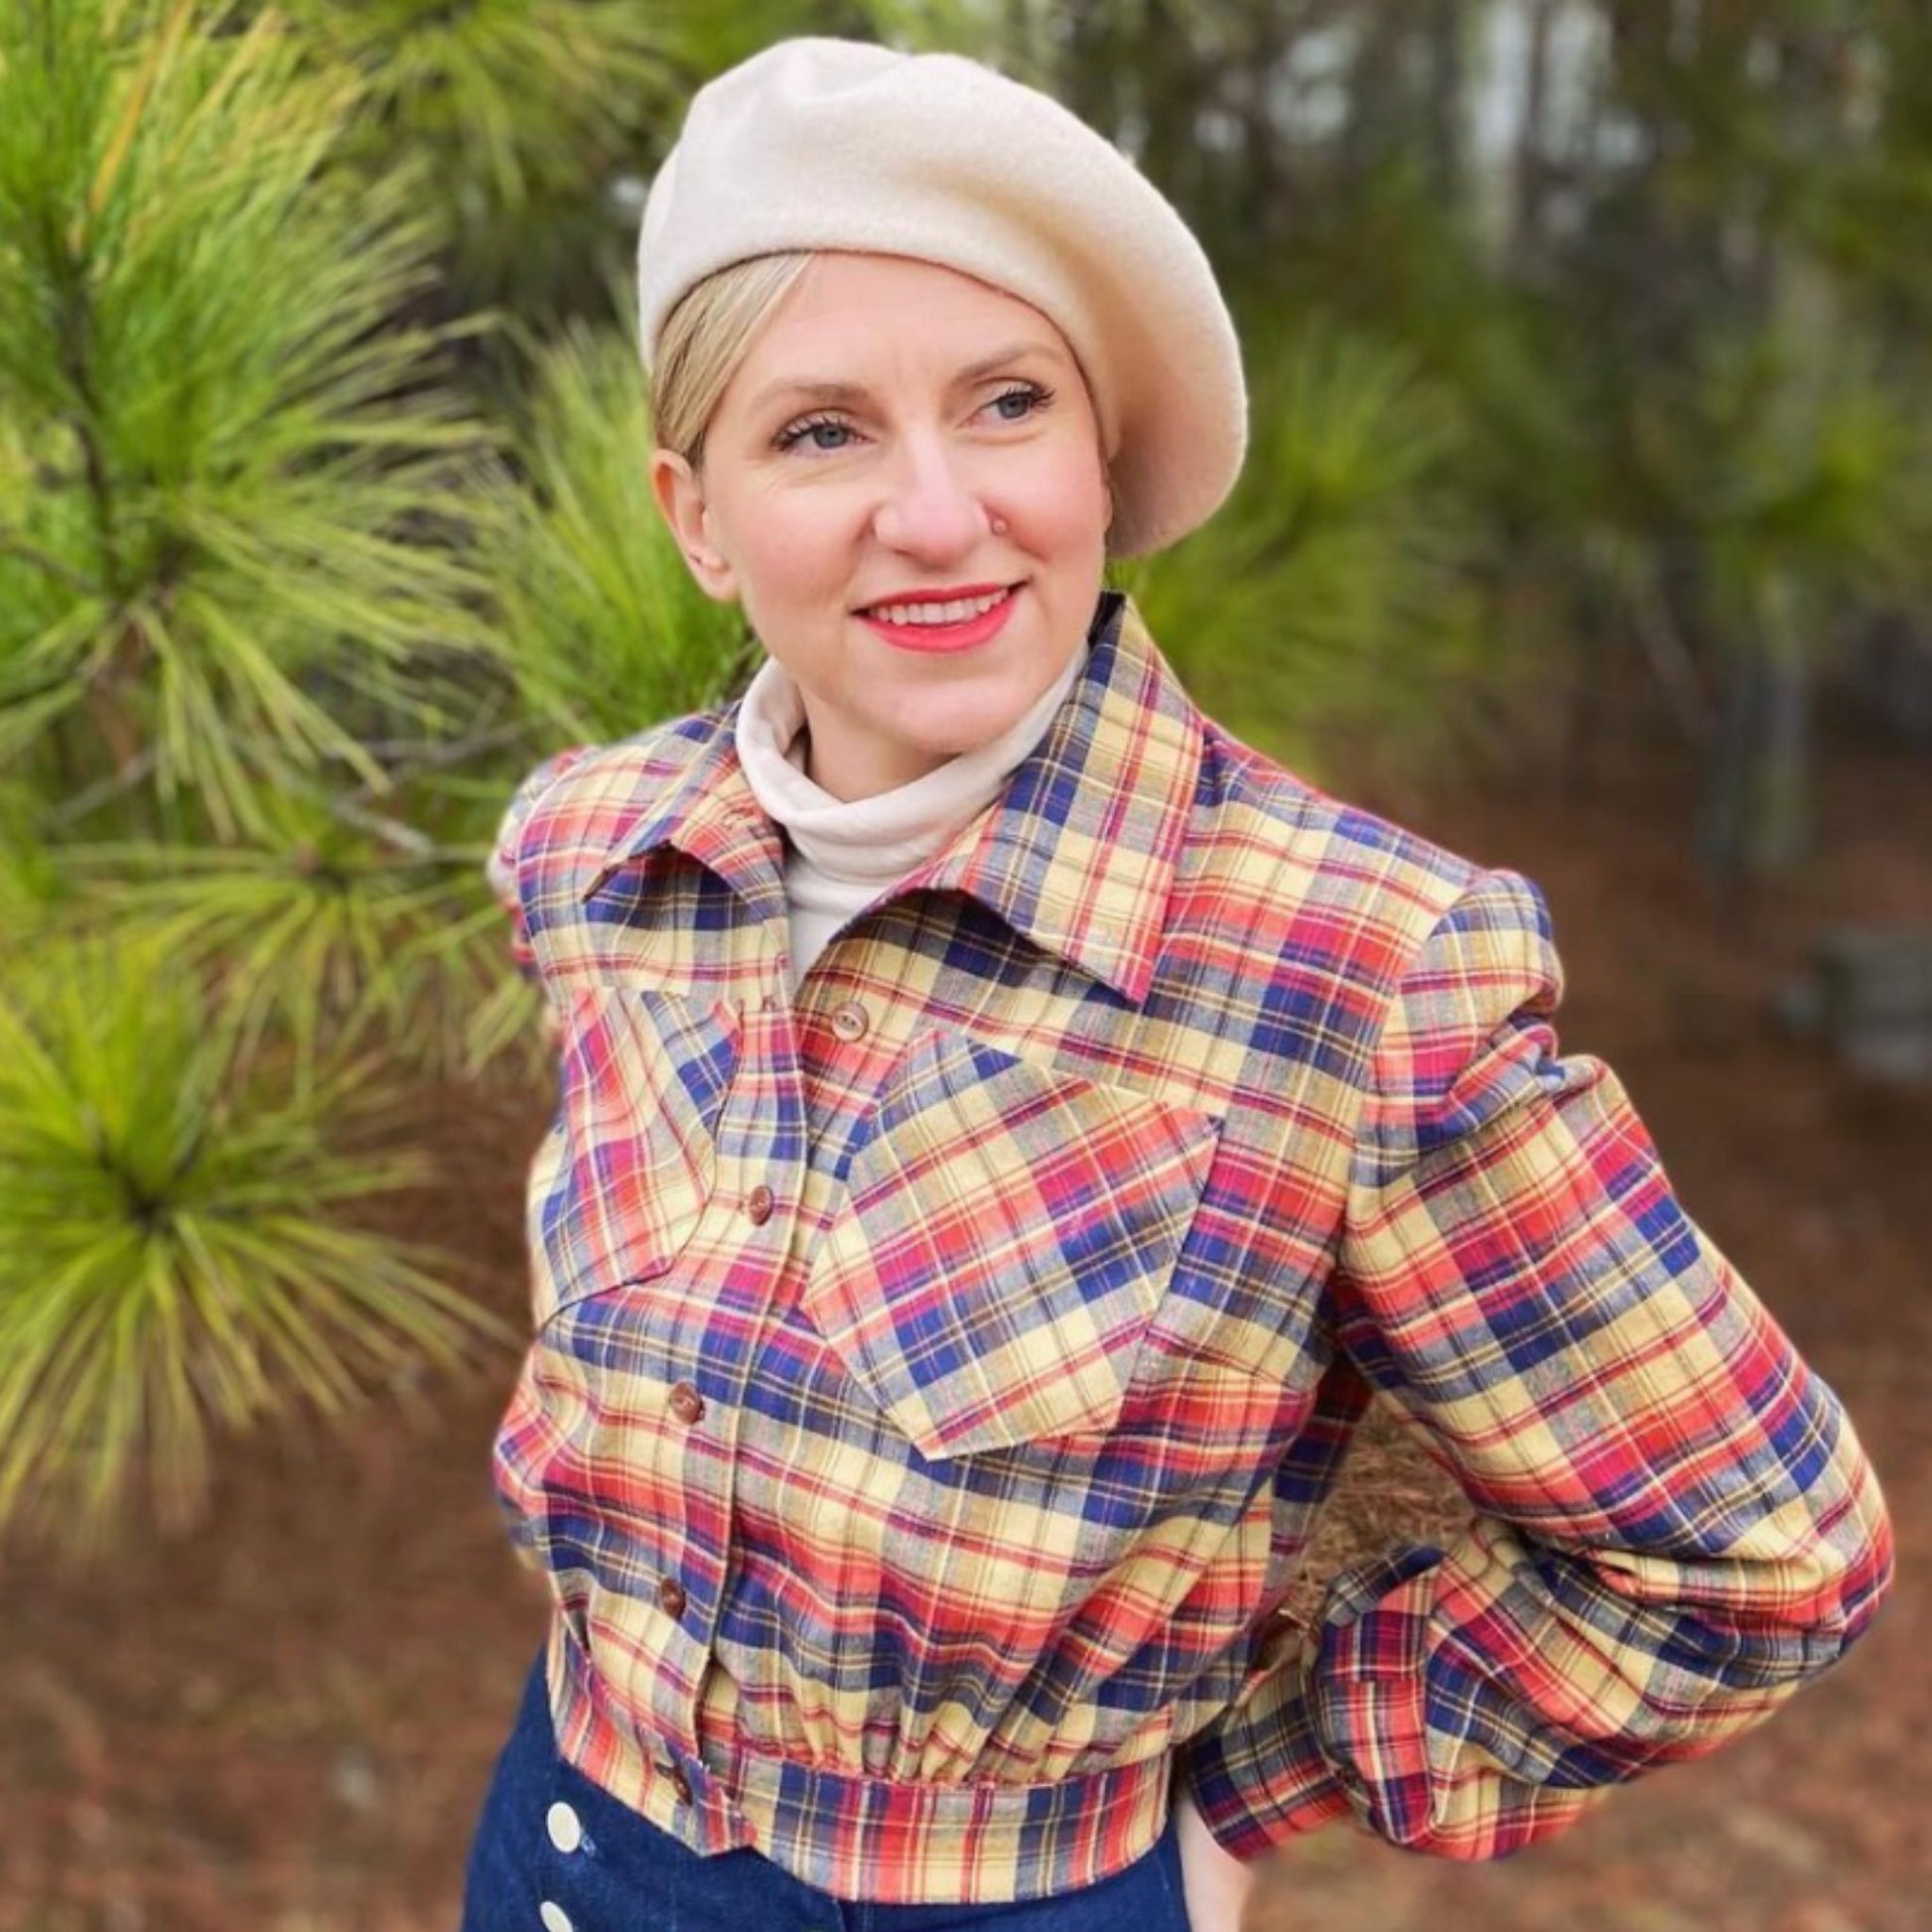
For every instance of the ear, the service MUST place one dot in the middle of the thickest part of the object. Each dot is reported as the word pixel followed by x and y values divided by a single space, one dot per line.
pixel 680 501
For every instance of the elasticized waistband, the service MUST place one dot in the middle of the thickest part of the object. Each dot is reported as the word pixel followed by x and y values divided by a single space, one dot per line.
pixel 885 1839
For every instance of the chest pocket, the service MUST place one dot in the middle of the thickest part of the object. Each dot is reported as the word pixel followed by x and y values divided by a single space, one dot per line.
pixel 617 1190
pixel 1006 1234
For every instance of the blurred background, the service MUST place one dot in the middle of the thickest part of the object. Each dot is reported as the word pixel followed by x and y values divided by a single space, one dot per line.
pixel 1587 528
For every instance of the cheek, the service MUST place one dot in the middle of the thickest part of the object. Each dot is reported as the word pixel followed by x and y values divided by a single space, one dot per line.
pixel 1066 502
pixel 789 553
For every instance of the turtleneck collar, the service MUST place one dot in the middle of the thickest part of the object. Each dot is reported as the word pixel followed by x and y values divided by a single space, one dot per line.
pixel 875 841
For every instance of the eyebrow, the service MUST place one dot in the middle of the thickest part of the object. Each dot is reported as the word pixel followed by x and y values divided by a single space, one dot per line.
pixel 825 389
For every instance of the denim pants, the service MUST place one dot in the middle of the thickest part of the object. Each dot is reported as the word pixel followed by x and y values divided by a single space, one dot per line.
pixel 622 1874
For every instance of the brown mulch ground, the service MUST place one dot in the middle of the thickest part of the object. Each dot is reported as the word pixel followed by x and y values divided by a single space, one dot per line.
pixel 283 1721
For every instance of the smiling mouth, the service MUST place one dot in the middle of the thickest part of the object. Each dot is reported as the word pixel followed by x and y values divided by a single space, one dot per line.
pixel 938 613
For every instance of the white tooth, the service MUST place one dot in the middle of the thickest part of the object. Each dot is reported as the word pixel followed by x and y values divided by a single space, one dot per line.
pixel 955 612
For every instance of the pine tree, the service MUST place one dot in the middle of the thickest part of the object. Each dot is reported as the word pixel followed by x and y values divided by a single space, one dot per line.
pixel 233 567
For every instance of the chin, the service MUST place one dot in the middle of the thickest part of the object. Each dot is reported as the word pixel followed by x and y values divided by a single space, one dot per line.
pixel 961 727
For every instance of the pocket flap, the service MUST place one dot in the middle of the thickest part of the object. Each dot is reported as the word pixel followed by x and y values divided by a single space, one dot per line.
pixel 1006 1234
pixel 619 1190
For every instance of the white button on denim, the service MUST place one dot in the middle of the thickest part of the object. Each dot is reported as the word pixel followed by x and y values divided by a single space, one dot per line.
pixel 566 1828
pixel 554 1917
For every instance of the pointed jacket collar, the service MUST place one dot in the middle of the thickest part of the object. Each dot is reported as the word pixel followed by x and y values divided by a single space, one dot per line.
pixel 1078 852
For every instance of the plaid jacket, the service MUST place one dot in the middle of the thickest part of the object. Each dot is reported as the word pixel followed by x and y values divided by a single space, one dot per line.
pixel 935 1375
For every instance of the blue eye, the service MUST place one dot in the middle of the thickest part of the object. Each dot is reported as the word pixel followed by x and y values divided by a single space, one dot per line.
pixel 1032 394
pixel 797 432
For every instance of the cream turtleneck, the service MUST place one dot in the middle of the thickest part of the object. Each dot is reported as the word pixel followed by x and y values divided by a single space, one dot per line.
pixel 841 855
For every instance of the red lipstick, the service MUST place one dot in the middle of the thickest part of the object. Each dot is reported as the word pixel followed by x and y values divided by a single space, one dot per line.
pixel 945 636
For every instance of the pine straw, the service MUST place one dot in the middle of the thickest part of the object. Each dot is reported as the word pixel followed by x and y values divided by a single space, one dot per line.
pixel 1389 1493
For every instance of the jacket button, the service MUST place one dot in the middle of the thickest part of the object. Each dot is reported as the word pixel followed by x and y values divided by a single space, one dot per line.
pixel 679 1782
pixel 671 1597
pixel 687 1405
pixel 850 1020
pixel 759 1204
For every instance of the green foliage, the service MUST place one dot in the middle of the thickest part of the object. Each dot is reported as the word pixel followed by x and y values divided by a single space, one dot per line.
pixel 1010 38
pixel 529 114
pixel 173 1253
pixel 1793 458
pixel 334 929
pixel 32 887
pixel 523 110
pixel 223 443
pixel 509 99
pixel 237 605
pixel 1335 583
pixel 600 622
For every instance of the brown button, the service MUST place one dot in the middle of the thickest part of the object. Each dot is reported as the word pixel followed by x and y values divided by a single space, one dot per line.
pixel 671 1597
pixel 687 1405
pixel 679 1782
pixel 850 1021
pixel 757 1205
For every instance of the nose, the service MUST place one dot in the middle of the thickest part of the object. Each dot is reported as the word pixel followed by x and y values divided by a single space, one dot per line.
pixel 930 506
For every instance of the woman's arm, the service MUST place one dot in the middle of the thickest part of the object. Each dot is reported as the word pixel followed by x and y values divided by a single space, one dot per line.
pixel 1214 1882
pixel 1675 1523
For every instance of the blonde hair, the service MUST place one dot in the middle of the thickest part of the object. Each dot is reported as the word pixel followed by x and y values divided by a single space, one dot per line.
pixel 704 340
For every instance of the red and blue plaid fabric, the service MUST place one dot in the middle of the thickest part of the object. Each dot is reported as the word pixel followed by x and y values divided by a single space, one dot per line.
pixel 936 1373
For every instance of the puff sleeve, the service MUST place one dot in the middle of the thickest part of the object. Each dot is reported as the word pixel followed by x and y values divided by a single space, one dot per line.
pixel 1675 1525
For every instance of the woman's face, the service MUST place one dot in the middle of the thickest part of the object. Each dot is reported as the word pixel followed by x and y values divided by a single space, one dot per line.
pixel 901 438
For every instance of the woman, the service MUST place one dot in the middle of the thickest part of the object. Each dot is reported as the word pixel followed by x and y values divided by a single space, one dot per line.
pixel 1008 1130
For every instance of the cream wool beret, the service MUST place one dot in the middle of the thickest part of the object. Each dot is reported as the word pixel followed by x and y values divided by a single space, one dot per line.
pixel 831 144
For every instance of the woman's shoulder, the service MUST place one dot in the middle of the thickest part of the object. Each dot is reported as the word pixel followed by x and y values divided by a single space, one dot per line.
pixel 1431 940
pixel 1263 820
pixel 664 745
pixel 584 784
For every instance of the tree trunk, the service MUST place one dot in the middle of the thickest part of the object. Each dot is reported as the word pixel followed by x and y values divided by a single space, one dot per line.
pixel 1448 87
pixel 1532 168
pixel 1756 821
